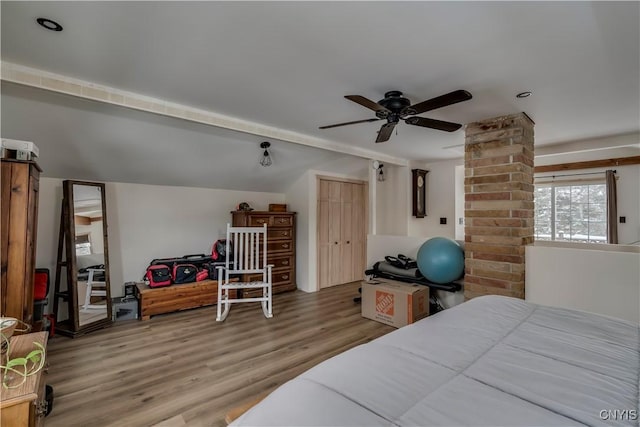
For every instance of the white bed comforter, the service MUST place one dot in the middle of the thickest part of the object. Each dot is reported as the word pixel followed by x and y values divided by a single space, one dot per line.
pixel 492 361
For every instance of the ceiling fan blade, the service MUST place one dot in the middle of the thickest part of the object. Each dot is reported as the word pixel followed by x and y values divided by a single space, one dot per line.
pixel 348 123
pixel 440 101
pixel 366 102
pixel 385 132
pixel 433 123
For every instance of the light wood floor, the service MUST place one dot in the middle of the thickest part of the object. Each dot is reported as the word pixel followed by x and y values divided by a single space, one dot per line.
pixel 186 369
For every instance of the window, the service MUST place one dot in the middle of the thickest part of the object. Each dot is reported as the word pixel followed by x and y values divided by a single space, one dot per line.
pixel 571 212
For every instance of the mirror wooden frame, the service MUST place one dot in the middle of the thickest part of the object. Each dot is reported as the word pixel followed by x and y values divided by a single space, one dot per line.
pixel 71 326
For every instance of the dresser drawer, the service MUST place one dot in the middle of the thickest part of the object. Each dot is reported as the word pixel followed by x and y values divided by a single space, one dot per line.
pixel 281 282
pixel 279 233
pixel 279 246
pixel 278 277
pixel 259 220
pixel 252 278
pixel 279 261
pixel 282 220
pixel 283 275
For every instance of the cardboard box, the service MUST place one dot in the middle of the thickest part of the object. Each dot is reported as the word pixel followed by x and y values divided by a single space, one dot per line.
pixel 394 303
pixel 19 150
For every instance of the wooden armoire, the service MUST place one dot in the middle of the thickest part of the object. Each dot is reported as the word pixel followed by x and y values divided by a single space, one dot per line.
pixel 19 216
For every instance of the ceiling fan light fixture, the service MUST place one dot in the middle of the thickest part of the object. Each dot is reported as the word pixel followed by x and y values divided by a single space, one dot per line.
pixel 266 158
pixel 394 107
pixel 49 24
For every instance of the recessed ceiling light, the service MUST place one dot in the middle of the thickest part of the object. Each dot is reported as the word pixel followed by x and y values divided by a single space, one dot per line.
pixel 49 24
pixel 523 94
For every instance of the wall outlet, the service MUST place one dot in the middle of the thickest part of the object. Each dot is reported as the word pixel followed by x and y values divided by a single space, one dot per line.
pixel 461 221
pixel 443 220
pixel 623 219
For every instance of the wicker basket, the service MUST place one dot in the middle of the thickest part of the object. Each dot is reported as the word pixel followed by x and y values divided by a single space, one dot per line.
pixel 7 326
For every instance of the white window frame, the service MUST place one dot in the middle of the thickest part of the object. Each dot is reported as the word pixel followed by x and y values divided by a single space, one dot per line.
pixel 568 183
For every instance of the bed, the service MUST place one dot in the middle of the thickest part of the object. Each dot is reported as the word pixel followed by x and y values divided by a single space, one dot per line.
pixel 492 361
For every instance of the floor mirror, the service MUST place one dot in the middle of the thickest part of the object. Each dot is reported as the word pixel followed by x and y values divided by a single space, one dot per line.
pixel 83 259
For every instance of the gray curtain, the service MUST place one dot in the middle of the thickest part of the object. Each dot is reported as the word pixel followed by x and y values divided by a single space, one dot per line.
pixel 612 207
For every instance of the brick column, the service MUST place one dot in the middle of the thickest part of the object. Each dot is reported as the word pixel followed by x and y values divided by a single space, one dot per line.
pixel 498 205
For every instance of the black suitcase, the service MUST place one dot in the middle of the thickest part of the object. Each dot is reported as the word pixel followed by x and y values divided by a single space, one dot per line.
pixel 212 266
pixel 199 260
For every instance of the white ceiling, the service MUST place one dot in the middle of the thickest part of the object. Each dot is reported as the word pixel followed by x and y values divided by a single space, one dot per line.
pixel 289 64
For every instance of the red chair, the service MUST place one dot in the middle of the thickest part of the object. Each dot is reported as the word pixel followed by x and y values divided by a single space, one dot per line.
pixel 42 280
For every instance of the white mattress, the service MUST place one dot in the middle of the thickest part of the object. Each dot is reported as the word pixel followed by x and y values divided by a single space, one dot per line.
pixel 492 361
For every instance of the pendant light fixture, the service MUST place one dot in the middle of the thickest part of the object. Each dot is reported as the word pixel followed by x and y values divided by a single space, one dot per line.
pixel 380 173
pixel 266 158
pixel 377 166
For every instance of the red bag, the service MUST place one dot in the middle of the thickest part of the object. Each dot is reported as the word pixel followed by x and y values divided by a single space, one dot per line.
pixel 219 250
pixel 158 275
pixel 202 275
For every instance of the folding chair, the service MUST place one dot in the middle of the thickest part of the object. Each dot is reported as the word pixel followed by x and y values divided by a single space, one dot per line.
pixel 246 255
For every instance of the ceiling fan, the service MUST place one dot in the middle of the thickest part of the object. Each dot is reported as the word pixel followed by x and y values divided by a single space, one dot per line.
pixel 395 107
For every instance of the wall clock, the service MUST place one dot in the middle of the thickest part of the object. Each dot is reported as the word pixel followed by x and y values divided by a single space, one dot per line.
pixel 418 186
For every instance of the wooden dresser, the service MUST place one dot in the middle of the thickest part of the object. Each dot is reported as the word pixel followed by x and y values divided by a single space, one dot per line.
pixel 19 216
pixel 24 405
pixel 281 247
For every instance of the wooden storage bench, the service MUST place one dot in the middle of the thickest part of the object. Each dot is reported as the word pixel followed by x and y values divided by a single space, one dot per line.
pixel 152 301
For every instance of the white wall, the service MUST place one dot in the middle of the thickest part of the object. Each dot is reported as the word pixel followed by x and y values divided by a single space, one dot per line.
pixel 600 281
pixel 302 197
pixel 441 202
pixel 628 189
pixel 393 201
pixel 299 201
pixel 147 222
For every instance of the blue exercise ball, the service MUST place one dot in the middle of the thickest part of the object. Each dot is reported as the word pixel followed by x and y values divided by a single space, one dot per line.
pixel 441 260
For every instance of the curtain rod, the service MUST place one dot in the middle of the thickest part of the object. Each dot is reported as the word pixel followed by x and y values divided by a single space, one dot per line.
pixel 572 174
